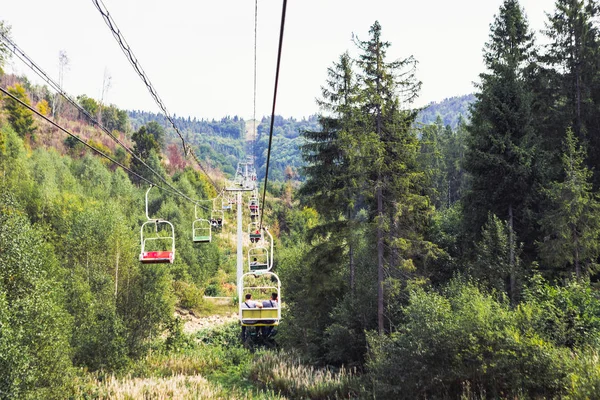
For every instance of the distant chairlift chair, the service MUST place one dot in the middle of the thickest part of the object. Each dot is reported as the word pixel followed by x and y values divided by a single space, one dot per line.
pixel 201 229
pixel 164 233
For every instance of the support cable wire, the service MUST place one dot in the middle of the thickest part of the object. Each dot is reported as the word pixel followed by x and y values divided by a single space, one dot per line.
pixel 254 112
pixel 273 110
pixel 20 54
pixel 101 153
pixel 116 32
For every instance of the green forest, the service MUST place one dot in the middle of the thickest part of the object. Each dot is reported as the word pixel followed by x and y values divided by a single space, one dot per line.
pixel 449 256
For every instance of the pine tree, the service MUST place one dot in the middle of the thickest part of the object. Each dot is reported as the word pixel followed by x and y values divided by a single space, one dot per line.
pixel 432 161
pixel 572 57
pixel 500 154
pixel 454 145
pixel 400 209
pixel 572 224
pixel 327 165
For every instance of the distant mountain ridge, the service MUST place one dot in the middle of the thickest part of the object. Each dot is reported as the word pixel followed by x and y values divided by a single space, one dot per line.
pixel 450 110
pixel 222 142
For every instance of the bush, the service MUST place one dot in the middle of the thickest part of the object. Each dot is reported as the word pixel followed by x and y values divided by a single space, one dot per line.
pixel 189 295
pixel 34 325
pixel 566 315
pixel 464 338
pixel 583 381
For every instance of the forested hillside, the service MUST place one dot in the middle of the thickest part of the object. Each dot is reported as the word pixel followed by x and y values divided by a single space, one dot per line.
pixel 451 259
pixel 450 110
pixel 222 142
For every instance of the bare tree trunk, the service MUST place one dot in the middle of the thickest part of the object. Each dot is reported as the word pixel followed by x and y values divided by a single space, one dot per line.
pixel 380 260
pixel 352 267
pixel 117 272
pixel 511 247
pixel 577 264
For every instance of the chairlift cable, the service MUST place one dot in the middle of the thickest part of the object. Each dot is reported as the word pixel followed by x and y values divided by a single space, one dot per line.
pixel 254 111
pixel 273 110
pixel 101 153
pixel 20 54
pixel 116 32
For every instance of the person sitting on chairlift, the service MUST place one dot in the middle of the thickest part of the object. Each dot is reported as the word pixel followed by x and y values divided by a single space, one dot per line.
pixel 272 303
pixel 249 303
pixel 254 262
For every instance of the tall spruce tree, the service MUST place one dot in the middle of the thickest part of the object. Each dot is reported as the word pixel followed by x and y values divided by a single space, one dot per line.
pixel 432 161
pixel 331 185
pixel 574 78
pixel 500 154
pixel 572 224
pixel 400 210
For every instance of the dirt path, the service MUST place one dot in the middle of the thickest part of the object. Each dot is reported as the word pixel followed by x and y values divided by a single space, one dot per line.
pixel 193 324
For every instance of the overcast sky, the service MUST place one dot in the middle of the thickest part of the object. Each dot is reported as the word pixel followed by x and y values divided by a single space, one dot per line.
pixel 199 54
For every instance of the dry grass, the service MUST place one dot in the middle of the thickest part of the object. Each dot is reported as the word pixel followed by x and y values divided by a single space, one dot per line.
pixel 285 374
pixel 176 387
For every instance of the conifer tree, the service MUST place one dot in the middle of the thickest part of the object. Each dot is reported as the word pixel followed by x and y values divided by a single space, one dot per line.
pixel 433 162
pixel 331 184
pixel 454 145
pixel 400 209
pixel 572 225
pixel 574 80
pixel 500 154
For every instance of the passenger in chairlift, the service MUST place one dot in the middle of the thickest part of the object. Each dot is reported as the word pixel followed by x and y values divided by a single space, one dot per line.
pixel 249 303
pixel 267 330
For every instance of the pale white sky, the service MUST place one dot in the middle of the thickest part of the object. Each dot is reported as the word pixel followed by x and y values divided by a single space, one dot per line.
pixel 199 54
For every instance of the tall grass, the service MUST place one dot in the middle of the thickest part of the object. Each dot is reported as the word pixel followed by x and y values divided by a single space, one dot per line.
pixel 285 374
pixel 177 387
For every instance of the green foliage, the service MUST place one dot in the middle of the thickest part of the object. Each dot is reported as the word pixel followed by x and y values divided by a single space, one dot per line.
pixel 115 119
pixel 189 296
pixel 19 116
pixel 571 225
pixel 564 315
pixel 492 261
pixel 90 105
pixel 4 51
pixel 464 337
pixel 149 307
pixel 34 326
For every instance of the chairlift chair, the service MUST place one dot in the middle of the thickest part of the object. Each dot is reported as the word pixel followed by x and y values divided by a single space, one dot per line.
pixel 254 232
pixel 201 227
pixel 253 205
pixel 164 233
pixel 266 316
pixel 258 259
pixel 225 204
pixel 217 218
pixel 201 231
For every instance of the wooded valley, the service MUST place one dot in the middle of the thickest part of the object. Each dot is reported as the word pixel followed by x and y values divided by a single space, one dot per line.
pixel 443 256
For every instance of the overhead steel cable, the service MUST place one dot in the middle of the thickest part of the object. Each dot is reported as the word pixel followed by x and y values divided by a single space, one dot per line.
pixel 274 104
pixel 101 153
pixel 187 150
pixel 20 54
pixel 254 110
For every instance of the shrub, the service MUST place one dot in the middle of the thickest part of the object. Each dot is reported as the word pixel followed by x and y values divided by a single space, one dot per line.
pixel 566 315
pixel 464 338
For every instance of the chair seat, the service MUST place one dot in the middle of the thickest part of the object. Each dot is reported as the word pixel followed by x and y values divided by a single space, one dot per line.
pixel 157 257
pixel 259 317
pixel 258 267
